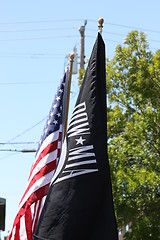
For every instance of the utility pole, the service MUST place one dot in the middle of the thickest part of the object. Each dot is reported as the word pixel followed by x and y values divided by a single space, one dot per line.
pixel 82 56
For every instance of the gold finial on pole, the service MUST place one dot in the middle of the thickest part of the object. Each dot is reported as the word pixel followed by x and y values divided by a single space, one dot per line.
pixel 68 92
pixel 100 25
pixel 72 57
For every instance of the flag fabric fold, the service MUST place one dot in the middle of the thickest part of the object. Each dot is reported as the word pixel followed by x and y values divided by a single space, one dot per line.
pixel 42 170
pixel 79 203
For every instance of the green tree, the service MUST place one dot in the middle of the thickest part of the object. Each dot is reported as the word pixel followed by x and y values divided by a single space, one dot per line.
pixel 133 88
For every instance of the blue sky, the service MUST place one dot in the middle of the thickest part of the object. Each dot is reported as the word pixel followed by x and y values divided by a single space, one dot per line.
pixel 35 39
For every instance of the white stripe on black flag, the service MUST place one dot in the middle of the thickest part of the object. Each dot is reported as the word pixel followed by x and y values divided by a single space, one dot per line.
pixel 79 204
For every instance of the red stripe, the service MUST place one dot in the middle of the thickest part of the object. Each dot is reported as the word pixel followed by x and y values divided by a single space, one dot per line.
pixel 37 215
pixel 38 194
pixel 35 207
pixel 58 154
pixel 17 236
pixel 50 148
pixel 28 223
pixel 45 170
pixel 60 136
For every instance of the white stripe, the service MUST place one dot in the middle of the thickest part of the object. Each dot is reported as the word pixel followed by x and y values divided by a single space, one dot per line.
pixel 85 118
pixel 73 174
pixel 34 212
pixel 59 144
pixel 80 110
pixel 42 204
pixel 81 156
pixel 47 159
pixel 80 163
pixel 32 209
pixel 78 121
pixel 39 183
pixel 22 231
pixel 61 161
pixel 43 180
pixel 51 138
pixel 78 116
pixel 43 200
pixel 79 129
pixel 13 233
pixel 80 149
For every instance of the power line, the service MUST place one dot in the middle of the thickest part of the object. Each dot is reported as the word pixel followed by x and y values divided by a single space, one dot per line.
pixel 38 38
pixel 16 150
pixel 126 26
pixel 113 33
pixel 37 30
pixel 17 143
pixel 41 21
pixel 33 58
pixel 70 36
pixel 13 153
pixel 122 35
pixel 31 55
pixel 34 54
pixel 25 131
pixel 107 40
pixel 24 83
pixel 77 20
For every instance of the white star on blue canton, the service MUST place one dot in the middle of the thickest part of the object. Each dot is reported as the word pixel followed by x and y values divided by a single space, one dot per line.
pixel 49 121
pixel 55 122
pixel 58 114
pixel 60 90
pixel 58 98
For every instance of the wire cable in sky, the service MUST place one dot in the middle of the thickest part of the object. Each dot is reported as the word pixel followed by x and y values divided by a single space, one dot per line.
pixel 10 155
pixel 24 83
pixel 16 150
pixel 126 26
pixel 77 20
pixel 41 21
pixel 27 130
pixel 17 143
pixel 37 30
pixel 38 38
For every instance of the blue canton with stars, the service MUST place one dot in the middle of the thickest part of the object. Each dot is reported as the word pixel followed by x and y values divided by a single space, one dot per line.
pixel 55 115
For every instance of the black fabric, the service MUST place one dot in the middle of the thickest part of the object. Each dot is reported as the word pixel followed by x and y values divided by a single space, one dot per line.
pixel 79 204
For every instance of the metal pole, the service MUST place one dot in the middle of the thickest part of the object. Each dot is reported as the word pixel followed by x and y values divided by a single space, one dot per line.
pixel 82 56
pixel 68 92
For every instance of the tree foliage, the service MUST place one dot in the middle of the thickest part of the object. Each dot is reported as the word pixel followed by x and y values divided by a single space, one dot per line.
pixel 133 88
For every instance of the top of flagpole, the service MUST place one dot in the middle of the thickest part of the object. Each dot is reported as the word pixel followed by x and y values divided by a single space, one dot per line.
pixel 71 57
pixel 100 25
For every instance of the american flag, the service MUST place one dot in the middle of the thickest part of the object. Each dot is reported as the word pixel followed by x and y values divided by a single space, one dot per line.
pixel 42 170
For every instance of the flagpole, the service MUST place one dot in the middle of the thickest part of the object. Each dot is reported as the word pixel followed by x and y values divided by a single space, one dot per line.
pixel 68 92
pixel 100 25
